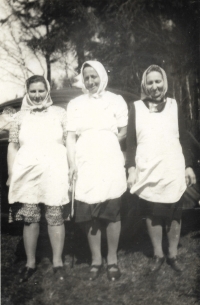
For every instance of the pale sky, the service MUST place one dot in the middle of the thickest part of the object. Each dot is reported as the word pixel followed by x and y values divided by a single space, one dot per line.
pixel 14 56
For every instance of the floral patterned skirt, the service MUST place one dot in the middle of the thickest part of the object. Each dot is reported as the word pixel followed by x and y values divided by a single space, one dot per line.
pixel 31 213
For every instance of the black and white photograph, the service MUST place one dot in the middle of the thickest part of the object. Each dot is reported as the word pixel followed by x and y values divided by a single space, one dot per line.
pixel 100 152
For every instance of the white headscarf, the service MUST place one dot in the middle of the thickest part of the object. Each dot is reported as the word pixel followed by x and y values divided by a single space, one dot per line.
pixel 145 94
pixel 27 104
pixel 99 68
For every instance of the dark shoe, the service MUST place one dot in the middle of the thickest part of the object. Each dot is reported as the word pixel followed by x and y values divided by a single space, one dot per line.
pixel 156 263
pixel 175 264
pixel 59 272
pixel 26 273
pixel 113 275
pixel 94 272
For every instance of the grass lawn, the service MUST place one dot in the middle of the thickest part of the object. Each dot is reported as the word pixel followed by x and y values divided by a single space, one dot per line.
pixel 136 285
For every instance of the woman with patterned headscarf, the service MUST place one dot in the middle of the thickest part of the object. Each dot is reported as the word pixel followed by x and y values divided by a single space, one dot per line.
pixel 96 124
pixel 159 163
pixel 38 171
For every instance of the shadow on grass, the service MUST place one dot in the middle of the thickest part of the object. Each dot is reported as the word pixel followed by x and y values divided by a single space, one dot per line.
pixel 134 286
pixel 134 236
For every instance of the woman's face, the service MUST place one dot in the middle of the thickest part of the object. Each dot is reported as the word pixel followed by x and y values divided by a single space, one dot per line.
pixel 155 85
pixel 37 92
pixel 91 79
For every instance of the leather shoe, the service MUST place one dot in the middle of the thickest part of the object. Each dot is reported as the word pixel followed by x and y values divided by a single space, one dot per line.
pixel 113 275
pixel 175 264
pixel 94 272
pixel 26 273
pixel 156 263
pixel 59 272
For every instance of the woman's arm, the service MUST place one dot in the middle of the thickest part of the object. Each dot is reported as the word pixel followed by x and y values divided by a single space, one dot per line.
pixel 131 139
pixel 71 142
pixel 131 144
pixel 12 151
pixel 190 177
pixel 122 133
pixel 131 177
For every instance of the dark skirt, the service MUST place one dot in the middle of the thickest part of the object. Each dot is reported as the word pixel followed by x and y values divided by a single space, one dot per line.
pixel 108 210
pixel 172 211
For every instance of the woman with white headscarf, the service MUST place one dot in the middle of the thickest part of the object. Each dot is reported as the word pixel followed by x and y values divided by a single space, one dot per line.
pixel 96 124
pixel 159 162
pixel 38 171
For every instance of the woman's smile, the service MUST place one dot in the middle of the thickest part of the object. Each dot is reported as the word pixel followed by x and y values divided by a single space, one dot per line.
pixel 91 79
pixel 37 92
pixel 155 85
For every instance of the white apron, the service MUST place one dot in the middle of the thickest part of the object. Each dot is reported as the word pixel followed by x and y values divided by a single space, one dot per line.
pixel 100 162
pixel 40 170
pixel 160 164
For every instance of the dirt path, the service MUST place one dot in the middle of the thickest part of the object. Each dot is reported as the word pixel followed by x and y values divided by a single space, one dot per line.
pixel 135 287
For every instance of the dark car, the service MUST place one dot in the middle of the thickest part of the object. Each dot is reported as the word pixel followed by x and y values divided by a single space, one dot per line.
pixel 61 98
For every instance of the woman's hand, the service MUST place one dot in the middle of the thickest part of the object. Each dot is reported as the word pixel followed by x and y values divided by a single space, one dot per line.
pixel 70 143
pixel 190 177
pixel 131 177
pixel 122 133
pixel 11 155
pixel 72 174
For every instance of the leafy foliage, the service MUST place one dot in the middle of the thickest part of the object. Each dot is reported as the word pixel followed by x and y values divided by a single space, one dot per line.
pixel 125 35
pixel 132 34
pixel 47 25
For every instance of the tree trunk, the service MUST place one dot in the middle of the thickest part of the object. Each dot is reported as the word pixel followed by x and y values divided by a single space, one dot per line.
pixel 80 55
pixel 189 96
pixel 198 104
pixel 180 94
pixel 198 79
pixel 173 88
pixel 47 57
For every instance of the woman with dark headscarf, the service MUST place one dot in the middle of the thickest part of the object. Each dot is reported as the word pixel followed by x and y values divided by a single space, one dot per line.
pixel 38 171
pixel 159 162
pixel 96 123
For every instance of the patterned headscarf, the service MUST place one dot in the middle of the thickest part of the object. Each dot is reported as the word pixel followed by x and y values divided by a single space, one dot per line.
pixel 99 68
pixel 145 94
pixel 27 104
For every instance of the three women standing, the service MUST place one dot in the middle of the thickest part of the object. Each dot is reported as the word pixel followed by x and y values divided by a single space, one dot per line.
pixel 157 155
pixel 159 162
pixel 96 124
pixel 38 171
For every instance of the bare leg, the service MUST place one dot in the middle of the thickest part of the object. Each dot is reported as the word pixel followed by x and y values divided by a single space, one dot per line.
pixel 173 234
pixel 113 233
pixel 30 236
pixel 155 234
pixel 57 238
pixel 93 230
